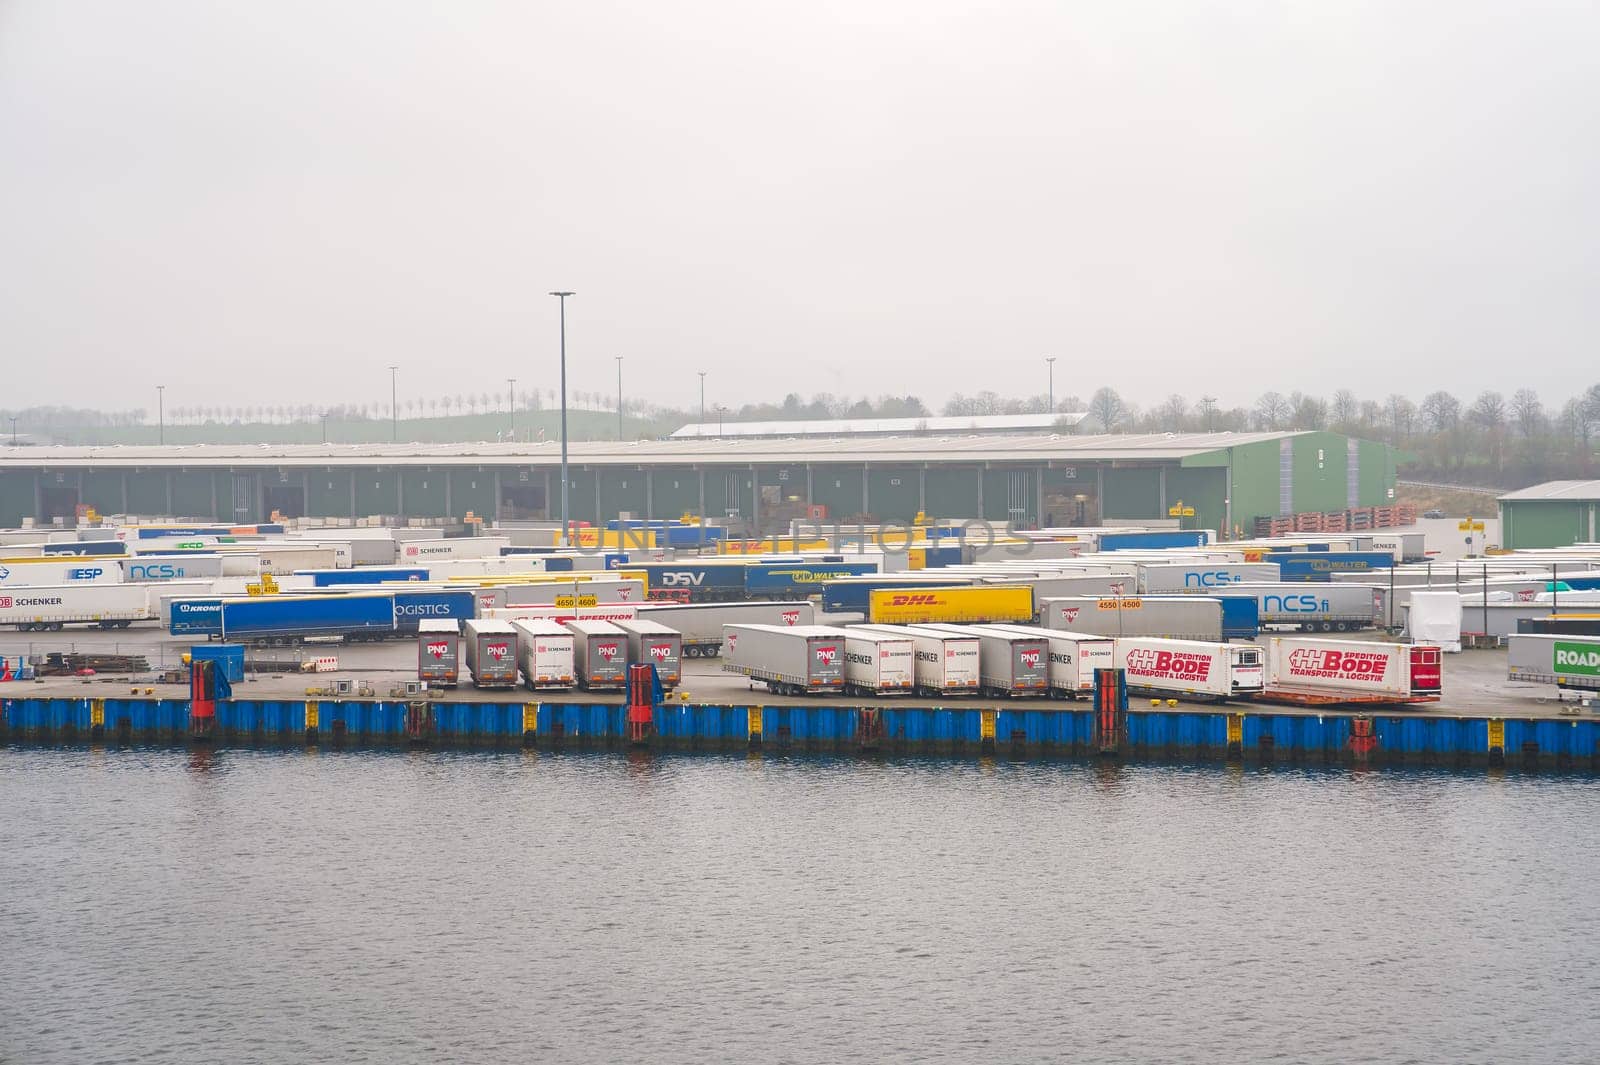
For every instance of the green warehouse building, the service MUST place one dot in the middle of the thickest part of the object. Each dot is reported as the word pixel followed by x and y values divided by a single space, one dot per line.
pixel 1033 479
pixel 1553 514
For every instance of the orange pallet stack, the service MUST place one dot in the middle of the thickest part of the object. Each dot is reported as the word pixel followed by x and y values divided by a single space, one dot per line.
pixel 1336 522
pixel 1405 514
pixel 1308 522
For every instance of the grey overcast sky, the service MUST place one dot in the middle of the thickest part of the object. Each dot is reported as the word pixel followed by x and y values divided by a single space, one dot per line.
pixel 274 200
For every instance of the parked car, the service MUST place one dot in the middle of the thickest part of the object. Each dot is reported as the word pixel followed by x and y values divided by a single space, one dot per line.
pixel 1434 513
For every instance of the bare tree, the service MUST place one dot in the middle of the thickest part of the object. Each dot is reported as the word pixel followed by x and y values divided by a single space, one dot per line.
pixel 1272 410
pixel 1171 415
pixel 1527 412
pixel 1442 411
pixel 1107 409
pixel 1345 408
pixel 1488 411
pixel 1402 415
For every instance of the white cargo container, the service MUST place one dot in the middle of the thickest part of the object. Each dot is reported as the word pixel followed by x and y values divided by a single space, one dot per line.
pixel 789 660
pixel 422 552
pixel 285 558
pixel 491 652
pixel 1565 661
pixel 1356 667
pixel 545 651
pixel 58 571
pixel 150 568
pixel 600 654
pixel 1178 617
pixel 563 614
pixel 1435 617
pixel 943 664
pixel 652 643
pixel 701 623
pixel 876 663
pixel 1212 671
pixel 36 608
pixel 1166 578
pixel 579 593
pixel 1008 664
pixel 1316 605
pixel 1074 656
pixel 439 651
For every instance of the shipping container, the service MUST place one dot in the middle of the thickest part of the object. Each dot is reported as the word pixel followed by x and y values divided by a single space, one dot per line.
pixel 563 614
pixel 1323 608
pixel 1156 538
pixel 943 663
pixel 600 655
pixel 789 660
pixel 229 658
pixel 439 652
pixel 855 593
pixel 1009 664
pixel 1565 661
pixel 876 663
pixel 1178 617
pixel 491 652
pixel 1074 656
pixel 335 578
pixel 422 552
pixel 545 651
pixel 289 557
pixel 288 619
pixel 694 581
pixel 1195 668
pixel 925 606
pixel 149 568
pixel 1356 667
pixel 410 607
pixel 651 643
pixel 95 548
pixel 1321 565
pixel 701 624
pixel 36 608
pixel 1202 577
pixel 587 592
pixel 55 572
pixel 798 580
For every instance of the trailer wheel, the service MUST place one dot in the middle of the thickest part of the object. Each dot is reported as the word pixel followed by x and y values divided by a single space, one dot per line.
pixel 1341 626
pixel 1325 626
pixel 57 626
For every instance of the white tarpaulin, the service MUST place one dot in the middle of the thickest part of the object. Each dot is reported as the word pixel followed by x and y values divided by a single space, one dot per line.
pixel 1435 617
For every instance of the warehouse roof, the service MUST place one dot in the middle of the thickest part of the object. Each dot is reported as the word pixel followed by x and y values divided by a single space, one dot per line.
pixel 950 448
pixel 1557 491
pixel 977 423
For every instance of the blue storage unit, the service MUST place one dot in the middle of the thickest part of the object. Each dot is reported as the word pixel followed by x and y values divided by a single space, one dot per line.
pixel 702 580
pixel 229 658
pixel 412 607
pixel 277 615
pixel 1320 565
pixel 87 547
pixel 331 578
pixel 1241 616
pixel 196 617
pixel 856 595
pixel 798 579
pixel 1145 541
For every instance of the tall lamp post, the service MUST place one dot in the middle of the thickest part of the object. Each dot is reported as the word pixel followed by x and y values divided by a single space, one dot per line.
pixel 511 404
pixel 1050 361
pixel 702 400
pixel 566 528
pixel 394 417
pixel 619 397
pixel 161 414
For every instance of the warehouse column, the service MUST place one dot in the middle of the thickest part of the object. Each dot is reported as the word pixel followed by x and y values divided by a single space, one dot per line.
pixel 649 493
pixel 922 489
pixel 702 506
pixel 352 474
pixel 982 475
pixel 810 499
pixel 599 518
pixel 449 507
pixel 1038 497
pixel 495 510
pixel 1227 501
pixel 170 512
pixel 38 498
pixel 755 503
pixel 124 491
pixel 305 493
pixel 1100 492
pixel 866 496
pixel 399 494
pixel 1161 479
pixel 548 485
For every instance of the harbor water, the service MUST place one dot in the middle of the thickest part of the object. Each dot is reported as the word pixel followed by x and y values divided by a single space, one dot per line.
pixel 515 906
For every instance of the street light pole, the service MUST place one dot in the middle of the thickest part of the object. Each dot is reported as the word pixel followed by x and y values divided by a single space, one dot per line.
pixel 566 528
pixel 702 400
pixel 619 397
pixel 394 417
pixel 1050 360
pixel 511 404
pixel 161 414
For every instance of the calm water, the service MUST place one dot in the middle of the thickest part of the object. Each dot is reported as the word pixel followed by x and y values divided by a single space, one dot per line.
pixel 348 907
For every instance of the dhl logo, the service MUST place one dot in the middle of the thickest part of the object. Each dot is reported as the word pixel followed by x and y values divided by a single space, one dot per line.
pixel 921 599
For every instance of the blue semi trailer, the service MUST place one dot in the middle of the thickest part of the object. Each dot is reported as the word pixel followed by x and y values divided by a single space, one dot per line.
pixel 289 619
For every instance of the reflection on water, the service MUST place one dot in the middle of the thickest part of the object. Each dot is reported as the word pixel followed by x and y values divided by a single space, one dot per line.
pixel 285 907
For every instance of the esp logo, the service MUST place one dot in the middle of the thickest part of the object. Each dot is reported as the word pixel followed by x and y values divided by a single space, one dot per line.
pixel 437 650
pixel 84 573
pixel 827 655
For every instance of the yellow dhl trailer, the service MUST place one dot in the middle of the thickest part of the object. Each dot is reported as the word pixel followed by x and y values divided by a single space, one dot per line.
pixel 924 606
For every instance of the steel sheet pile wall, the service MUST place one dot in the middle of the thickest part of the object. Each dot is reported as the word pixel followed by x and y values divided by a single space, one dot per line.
pixel 1391 739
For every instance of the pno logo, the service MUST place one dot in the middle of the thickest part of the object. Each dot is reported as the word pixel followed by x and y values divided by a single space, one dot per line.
pixel 827 655
pixel 497 651
pixel 661 651
pixel 790 617
pixel 1029 658
pixel 607 651
pixel 1069 614
pixel 438 650
pixel 625 594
